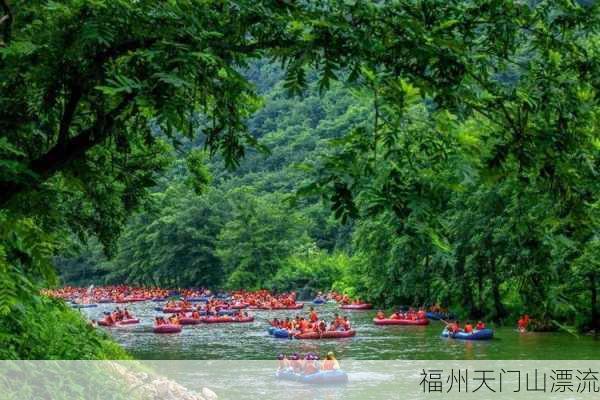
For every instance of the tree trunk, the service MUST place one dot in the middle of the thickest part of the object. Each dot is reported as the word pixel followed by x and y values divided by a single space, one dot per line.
pixel 499 310
pixel 466 297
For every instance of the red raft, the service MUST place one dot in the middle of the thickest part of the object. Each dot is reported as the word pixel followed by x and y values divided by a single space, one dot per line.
pixel 239 306
pixel 226 319
pixel 294 307
pixel 362 306
pixel 104 322
pixel 392 321
pixel 128 321
pixel 326 335
pixel 167 328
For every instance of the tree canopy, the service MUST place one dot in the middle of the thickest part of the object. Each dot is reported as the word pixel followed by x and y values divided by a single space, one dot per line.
pixel 458 140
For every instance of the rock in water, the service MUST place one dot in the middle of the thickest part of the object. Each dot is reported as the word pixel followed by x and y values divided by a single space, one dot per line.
pixel 209 394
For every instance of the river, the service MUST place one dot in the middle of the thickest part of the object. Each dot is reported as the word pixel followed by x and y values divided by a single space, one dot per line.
pixel 251 341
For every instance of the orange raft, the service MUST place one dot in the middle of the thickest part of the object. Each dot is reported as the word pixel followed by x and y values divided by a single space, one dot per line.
pixel 326 335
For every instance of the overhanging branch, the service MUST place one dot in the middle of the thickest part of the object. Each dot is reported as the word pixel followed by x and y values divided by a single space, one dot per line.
pixel 5 22
pixel 57 158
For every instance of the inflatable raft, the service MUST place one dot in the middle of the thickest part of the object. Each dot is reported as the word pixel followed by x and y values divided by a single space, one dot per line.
pixel 363 306
pixel 318 301
pixel 484 334
pixel 406 322
pixel 326 335
pixel 167 328
pixel 280 333
pixel 128 321
pixel 321 377
pixel 239 306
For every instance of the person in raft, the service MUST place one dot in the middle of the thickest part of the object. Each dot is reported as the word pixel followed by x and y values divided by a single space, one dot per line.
pixel 346 323
pixel 468 328
pixel 330 363
pixel 480 326
pixel 380 314
pixel 313 317
pixel 454 327
pixel 160 321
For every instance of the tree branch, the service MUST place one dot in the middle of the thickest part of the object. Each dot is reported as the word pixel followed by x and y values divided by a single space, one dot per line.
pixel 6 22
pixel 62 154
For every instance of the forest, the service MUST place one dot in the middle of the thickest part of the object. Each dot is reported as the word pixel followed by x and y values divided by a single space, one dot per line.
pixel 403 152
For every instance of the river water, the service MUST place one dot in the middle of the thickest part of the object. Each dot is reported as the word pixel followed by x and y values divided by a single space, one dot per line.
pixel 250 341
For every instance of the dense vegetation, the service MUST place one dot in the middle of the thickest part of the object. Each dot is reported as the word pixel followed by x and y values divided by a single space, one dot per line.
pixel 457 140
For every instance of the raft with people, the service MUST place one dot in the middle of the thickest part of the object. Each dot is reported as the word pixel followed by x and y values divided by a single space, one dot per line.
pixel 484 334
pixel 325 334
pixel 309 369
pixel 118 317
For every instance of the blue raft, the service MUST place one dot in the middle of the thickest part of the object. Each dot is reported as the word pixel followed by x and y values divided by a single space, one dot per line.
pixel 318 300
pixel 484 334
pixel 279 333
pixel 318 378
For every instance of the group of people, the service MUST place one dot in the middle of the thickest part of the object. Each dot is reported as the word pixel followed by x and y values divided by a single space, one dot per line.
pixel 411 315
pixel 118 315
pixel 454 327
pixel 114 293
pixel 307 364
pixel 264 298
pixel 312 323
pixel 170 320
